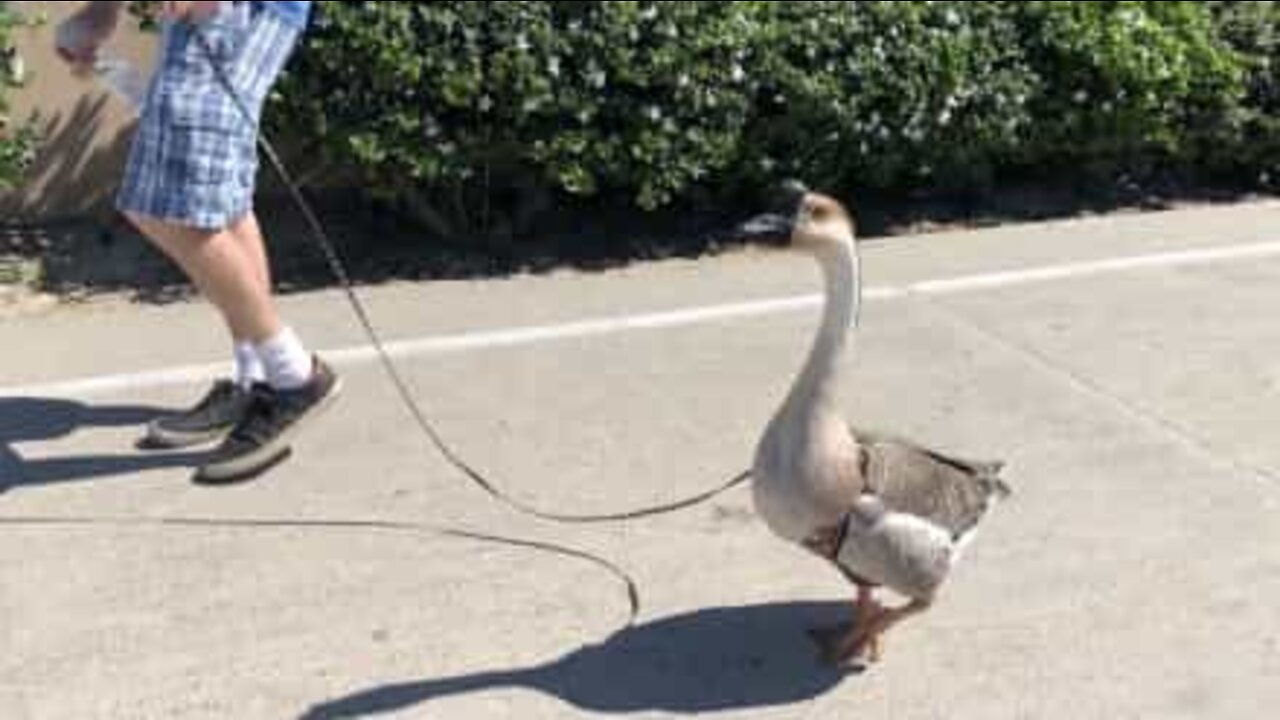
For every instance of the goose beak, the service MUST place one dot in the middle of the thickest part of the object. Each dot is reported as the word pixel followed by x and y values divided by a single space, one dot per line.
pixel 770 228
pixel 776 226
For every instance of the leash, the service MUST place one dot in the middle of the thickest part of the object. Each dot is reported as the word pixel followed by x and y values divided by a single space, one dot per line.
pixel 323 241
pixel 477 478
pixel 383 526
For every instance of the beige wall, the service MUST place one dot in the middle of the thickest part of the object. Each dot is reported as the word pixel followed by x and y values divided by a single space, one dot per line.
pixel 86 129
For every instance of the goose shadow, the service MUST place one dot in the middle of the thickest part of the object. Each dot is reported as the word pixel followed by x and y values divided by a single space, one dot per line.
pixel 30 420
pixel 707 661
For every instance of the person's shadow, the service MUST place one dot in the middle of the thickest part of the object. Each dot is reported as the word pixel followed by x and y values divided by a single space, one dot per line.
pixel 706 661
pixel 43 420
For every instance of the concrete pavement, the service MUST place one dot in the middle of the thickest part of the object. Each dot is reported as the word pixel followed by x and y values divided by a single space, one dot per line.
pixel 1135 575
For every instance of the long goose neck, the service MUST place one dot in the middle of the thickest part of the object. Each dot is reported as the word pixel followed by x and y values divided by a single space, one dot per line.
pixel 818 383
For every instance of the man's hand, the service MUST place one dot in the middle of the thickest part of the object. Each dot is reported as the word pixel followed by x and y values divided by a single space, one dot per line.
pixel 80 36
pixel 192 11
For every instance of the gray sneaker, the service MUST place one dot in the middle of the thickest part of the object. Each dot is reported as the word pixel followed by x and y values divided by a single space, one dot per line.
pixel 210 419
pixel 261 439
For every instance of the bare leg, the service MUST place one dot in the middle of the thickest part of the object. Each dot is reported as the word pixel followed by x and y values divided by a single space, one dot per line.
pixel 225 273
pixel 248 234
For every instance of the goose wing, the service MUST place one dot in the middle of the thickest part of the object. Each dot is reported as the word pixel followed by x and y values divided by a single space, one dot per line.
pixel 950 492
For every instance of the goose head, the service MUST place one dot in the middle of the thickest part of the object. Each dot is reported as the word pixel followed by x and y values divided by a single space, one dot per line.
pixel 803 220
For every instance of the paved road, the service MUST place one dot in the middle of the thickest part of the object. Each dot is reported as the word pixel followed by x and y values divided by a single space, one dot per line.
pixel 1135 575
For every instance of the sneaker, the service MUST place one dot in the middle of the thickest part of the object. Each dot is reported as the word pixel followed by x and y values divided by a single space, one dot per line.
pixel 261 439
pixel 220 410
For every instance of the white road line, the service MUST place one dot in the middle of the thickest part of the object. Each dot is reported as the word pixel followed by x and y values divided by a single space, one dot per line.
pixel 510 337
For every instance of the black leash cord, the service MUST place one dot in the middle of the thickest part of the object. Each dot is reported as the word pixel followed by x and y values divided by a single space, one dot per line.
pixel 384 526
pixel 388 526
pixel 327 247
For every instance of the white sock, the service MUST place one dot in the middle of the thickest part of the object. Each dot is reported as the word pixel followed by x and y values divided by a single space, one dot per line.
pixel 287 362
pixel 249 367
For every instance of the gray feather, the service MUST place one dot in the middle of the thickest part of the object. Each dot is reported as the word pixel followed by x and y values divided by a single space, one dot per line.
pixel 950 492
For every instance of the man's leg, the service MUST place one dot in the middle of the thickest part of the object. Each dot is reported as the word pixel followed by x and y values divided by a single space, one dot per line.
pixel 234 281
pixel 248 234
pixel 233 278
pixel 227 275
pixel 249 368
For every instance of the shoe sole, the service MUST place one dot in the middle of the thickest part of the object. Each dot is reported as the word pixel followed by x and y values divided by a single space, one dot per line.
pixel 268 456
pixel 229 478
pixel 158 438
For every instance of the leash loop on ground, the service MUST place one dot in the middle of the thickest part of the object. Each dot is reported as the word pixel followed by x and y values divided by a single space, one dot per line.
pixel 386 526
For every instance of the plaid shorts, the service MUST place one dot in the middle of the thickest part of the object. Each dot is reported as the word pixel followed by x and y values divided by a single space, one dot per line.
pixel 194 159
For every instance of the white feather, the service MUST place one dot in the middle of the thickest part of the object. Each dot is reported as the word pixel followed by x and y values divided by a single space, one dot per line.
pixel 906 553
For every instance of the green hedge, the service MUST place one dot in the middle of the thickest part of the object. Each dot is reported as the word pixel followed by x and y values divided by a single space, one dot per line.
pixel 1122 85
pixel 17 139
pixel 478 116
pixel 474 113
pixel 1253 30
pixel 887 95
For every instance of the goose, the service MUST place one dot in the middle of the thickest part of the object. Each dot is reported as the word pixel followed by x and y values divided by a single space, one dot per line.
pixel 888 513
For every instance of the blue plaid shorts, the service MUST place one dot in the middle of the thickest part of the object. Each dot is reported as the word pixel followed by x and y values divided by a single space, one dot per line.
pixel 194 159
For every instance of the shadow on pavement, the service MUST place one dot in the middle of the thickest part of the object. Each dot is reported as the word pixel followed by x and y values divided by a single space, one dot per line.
pixel 707 661
pixel 44 420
